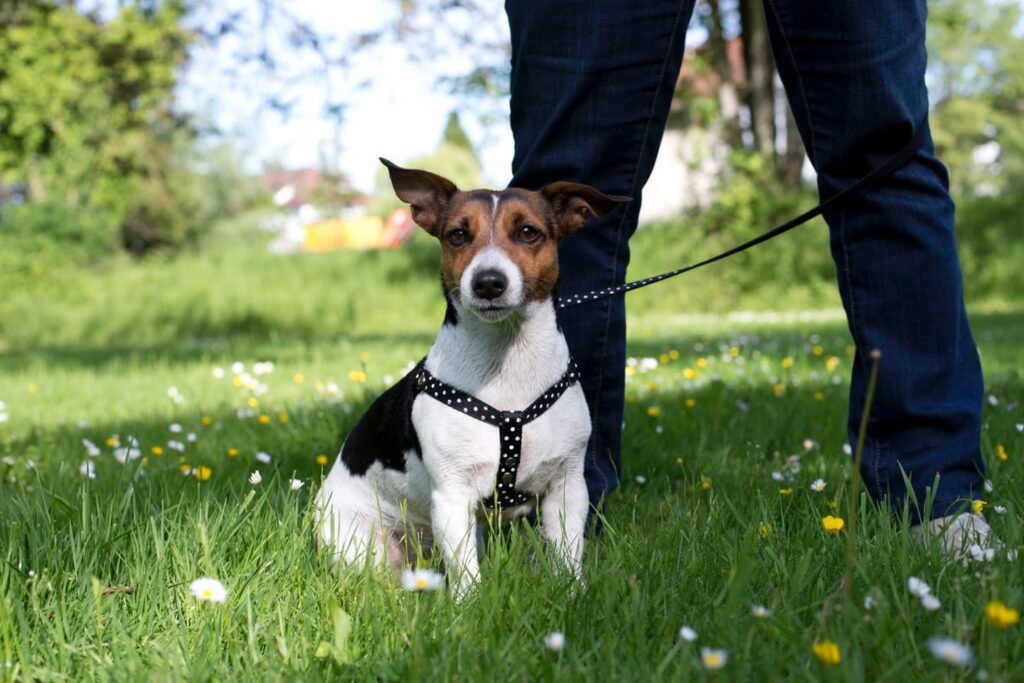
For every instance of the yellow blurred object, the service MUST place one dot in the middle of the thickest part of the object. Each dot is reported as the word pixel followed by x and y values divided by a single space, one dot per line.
pixel 366 232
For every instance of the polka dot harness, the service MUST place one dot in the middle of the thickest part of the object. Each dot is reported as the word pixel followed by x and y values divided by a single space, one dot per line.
pixel 510 425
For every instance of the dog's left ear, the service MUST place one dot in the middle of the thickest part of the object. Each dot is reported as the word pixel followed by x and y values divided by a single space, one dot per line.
pixel 426 193
pixel 573 203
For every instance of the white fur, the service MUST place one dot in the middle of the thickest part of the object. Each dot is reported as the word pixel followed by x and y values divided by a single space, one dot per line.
pixel 492 258
pixel 507 364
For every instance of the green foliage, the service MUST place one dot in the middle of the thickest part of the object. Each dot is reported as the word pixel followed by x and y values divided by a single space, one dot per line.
pixel 991 252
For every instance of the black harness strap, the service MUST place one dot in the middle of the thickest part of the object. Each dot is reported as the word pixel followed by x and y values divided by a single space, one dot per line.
pixel 879 173
pixel 510 425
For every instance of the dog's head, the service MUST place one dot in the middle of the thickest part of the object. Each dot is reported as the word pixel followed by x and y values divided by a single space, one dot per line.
pixel 499 250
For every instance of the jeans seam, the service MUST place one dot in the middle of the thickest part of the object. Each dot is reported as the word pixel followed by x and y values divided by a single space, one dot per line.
pixel 633 189
pixel 799 78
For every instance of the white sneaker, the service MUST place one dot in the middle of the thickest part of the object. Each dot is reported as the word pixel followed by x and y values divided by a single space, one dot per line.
pixel 966 536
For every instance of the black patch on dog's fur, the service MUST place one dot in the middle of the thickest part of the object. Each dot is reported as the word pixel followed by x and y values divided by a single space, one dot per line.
pixel 385 432
pixel 451 316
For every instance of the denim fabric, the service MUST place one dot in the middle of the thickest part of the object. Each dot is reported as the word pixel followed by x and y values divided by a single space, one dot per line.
pixel 591 87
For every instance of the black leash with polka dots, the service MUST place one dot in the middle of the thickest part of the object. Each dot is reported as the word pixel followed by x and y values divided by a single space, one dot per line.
pixel 510 425
pixel 881 172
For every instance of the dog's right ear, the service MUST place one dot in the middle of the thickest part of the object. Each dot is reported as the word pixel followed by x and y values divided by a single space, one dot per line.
pixel 426 193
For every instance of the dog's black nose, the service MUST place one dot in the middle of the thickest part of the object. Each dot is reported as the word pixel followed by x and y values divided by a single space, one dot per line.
pixel 489 284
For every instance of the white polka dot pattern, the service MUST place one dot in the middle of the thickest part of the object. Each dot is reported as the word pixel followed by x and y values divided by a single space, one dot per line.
pixel 510 425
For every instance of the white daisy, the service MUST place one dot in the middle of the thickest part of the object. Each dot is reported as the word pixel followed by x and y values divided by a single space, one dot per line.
pixel 687 634
pixel 90 448
pixel 555 641
pixel 761 612
pixel 263 457
pixel 295 484
pixel 777 476
pixel 8 460
pixel 176 446
pixel 640 479
pixel 930 602
pixel 237 367
pixel 208 590
pixel 175 427
pixel 818 485
pixel 88 469
pixel 950 651
pixel 713 658
pixel 421 580
pixel 255 478
pixel 218 373
pixel 918 587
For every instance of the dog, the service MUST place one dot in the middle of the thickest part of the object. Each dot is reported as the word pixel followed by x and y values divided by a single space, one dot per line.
pixel 494 417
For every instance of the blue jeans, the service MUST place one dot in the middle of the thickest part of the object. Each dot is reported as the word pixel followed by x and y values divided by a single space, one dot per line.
pixel 591 87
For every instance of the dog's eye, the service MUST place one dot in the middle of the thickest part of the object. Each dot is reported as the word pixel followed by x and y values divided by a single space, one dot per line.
pixel 527 234
pixel 458 237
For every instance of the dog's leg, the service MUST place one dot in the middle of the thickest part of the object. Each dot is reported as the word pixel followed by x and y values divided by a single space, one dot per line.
pixel 563 511
pixel 454 523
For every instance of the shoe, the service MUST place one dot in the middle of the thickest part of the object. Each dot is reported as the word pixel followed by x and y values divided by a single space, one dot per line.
pixel 966 537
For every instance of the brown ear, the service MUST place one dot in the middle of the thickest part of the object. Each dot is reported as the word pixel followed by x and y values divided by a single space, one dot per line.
pixel 426 193
pixel 574 203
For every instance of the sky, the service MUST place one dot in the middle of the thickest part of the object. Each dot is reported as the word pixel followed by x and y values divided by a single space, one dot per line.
pixel 400 114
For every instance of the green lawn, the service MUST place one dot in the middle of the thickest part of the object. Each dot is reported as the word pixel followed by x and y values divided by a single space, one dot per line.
pixel 698 533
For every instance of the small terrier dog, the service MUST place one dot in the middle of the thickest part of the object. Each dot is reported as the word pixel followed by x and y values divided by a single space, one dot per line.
pixel 494 416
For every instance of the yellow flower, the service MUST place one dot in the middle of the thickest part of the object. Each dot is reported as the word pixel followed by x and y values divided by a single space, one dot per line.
pixel 1001 452
pixel 630 398
pixel 298 378
pixel 779 389
pixel 663 358
pixel 787 362
pixel 184 467
pixel 630 371
pixel 978 506
pixel 1001 616
pixel 33 388
pixel 831 363
pixel 705 482
pixel 817 350
pixel 702 363
pixel 734 351
pixel 819 396
pixel 712 658
pixel 679 461
pixel 203 473
pixel 282 418
pixel 673 354
pixel 156 450
pixel 206 420
pixel 253 402
pixel 264 419
pixel 321 460
pixel 833 525
pixel 237 380
pixel 652 385
pixel 357 376
pixel 691 402
pixel 766 530
pixel 785 493
pixel 113 442
pixel 827 652
pixel 232 452
pixel 690 373
pixel 654 411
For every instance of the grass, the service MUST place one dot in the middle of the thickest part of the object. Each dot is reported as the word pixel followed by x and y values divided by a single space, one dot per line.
pixel 702 540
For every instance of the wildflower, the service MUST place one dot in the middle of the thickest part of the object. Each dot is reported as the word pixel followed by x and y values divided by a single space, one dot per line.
pixel 185 469
pixel 654 411
pixel 30 464
pixel 766 530
pixel 918 587
pixel 785 493
pixel 264 419
pixel 237 367
pixel 713 658
pixel 950 651
pixel 263 457
pixel 833 525
pixel 734 351
pixel 999 509
pixel 421 580
pixel 787 362
pixel 1001 452
pixel 90 448
pixel 282 418
pixel 191 437
pixel 702 362
pixel 252 402
pixel 777 476
pixel 705 482
pixel 817 350
pixel 988 486
pixel 206 420
pixel 298 378
pixel 673 354
pixel 640 479
pixel 819 396
pixel 295 484
pixel 761 612
pixel 203 473
pixel 218 373
pixel 979 554
pixel 208 590
pixel 978 505
pixel 113 441
pixel 176 446
pixel 827 652
pixel 869 602
pixel 687 634
pixel 690 373
pixel 255 478
pixel 357 376
pixel 555 641
pixel 1001 616
pixel 779 389
pixel 630 398
pixel 818 485
pixel 87 469
pixel 690 402
pixel 321 460
pixel 8 460
pixel 810 444
pixel 831 363
pixel 175 428
pixel 930 602
pixel 157 450
pixel 232 452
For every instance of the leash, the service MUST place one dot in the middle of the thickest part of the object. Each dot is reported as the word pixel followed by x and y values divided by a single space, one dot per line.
pixel 879 173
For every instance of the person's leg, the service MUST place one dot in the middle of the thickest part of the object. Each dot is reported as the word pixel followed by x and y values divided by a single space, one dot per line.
pixel 591 87
pixel 854 73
